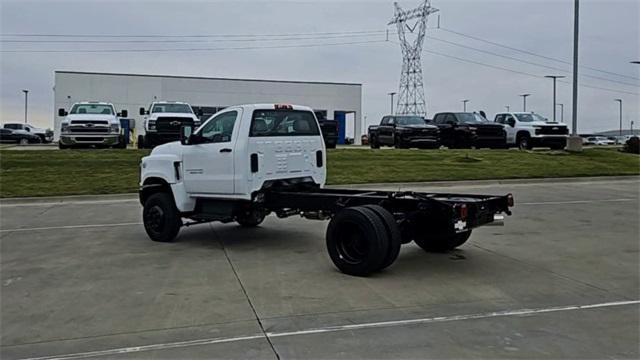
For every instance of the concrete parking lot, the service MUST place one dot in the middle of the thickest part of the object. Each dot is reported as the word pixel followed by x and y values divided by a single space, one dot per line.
pixel 81 279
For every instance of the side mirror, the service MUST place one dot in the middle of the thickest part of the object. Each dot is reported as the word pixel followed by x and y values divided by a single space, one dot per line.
pixel 185 134
pixel 62 112
pixel 124 113
pixel 143 111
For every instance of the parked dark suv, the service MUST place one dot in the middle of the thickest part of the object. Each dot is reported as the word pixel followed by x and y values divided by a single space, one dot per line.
pixel 464 130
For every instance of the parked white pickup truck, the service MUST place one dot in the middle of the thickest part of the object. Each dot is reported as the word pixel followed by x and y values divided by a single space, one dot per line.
pixel 91 123
pixel 250 160
pixel 527 129
pixel 162 122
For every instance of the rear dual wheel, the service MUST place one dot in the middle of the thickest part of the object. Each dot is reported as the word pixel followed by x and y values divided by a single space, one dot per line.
pixel 363 239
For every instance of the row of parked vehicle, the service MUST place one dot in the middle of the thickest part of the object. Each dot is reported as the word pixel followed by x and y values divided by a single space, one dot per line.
pixel 23 134
pixel 468 129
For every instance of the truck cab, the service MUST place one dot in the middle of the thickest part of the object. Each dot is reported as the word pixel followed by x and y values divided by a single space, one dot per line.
pixel 237 152
pixel 527 129
pixel 163 120
pixel 91 123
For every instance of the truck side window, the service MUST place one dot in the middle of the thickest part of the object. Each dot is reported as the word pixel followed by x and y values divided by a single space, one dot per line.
pixel 220 128
pixel 385 121
pixel 451 119
pixel 500 119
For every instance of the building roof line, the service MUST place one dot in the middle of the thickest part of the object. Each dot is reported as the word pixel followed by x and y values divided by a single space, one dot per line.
pixel 204 78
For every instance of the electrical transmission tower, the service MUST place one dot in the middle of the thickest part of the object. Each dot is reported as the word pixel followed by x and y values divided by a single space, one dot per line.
pixel 411 99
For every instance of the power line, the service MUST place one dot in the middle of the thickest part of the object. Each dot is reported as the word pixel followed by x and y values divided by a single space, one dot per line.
pixel 525 61
pixel 190 49
pixel 522 72
pixel 188 36
pixel 534 54
pixel 165 41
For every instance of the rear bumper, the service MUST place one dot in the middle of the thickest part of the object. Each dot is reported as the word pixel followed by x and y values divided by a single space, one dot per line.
pixel 89 139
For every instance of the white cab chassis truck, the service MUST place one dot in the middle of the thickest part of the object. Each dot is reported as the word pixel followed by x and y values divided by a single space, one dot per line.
pixel 248 161
pixel 91 123
pixel 162 122
pixel 527 129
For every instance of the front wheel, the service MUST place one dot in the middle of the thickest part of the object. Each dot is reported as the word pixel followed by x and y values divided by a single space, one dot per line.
pixel 162 220
pixel 373 143
pixel 23 141
pixel 524 143
pixel 442 242
pixel 250 218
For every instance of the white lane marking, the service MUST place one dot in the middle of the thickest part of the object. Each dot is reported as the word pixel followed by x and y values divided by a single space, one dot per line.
pixel 134 349
pixel 71 227
pixel 83 202
pixel 574 202
pixel 163 346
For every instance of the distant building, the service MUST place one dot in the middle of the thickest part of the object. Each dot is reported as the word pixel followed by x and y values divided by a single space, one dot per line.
pixel 337 101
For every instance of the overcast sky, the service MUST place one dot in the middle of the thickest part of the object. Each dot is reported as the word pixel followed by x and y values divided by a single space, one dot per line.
pixel 609 41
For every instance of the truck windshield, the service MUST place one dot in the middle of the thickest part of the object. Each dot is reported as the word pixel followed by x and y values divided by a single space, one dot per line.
pixel 283 123
pixel 171 108
pixel 409 120
pixel 94 109
pixel 470 118
pixel 530 117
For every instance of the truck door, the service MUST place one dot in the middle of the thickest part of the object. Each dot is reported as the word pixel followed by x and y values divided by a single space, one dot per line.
pixel 510 128
pixel 446 123
pixel 209 166
pixel 386 130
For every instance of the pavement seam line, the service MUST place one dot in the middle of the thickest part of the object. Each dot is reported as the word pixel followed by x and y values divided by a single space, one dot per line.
pixel 246 295
pixel 349 327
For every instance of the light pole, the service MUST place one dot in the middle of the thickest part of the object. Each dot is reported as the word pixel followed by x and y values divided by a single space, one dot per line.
pixel 554 77
pixel 392 94
pixel 507 107
pixel 26 100
pixel 620 101
pixel 524 101
pixel 575 142
pixel 561 112
pixel 464 104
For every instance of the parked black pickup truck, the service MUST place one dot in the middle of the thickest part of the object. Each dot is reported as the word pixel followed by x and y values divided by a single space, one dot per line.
pixel 464 130
pixel 403 131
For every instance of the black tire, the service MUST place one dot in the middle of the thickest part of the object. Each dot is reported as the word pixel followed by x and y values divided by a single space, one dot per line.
pixel 62 146
pixel 399 144
pixel 251 218
pixel 161 218
pixel 524 142
pixel 373 143
pixel 393 233
pixel 140 142
pixel 121 143
pixel 442 242
pixel 357 241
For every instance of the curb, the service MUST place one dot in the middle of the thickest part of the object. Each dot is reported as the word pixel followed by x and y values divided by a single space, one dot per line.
pixel 132 196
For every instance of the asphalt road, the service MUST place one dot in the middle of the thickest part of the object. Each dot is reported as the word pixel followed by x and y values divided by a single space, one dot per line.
pixel 559 280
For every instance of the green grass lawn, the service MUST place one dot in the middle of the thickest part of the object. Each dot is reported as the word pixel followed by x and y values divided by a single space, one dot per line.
pixel 52 172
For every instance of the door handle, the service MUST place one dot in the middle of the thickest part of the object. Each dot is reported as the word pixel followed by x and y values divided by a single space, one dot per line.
pixel 225 150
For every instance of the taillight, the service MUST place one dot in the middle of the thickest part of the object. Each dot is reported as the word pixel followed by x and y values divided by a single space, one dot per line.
pixel 510 200
pixel 462 211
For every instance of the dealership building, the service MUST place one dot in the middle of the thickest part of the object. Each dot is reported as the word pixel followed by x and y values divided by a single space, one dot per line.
pixel 337 101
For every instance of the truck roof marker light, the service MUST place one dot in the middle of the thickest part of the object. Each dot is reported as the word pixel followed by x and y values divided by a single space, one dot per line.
pixel 283 107
pixel 510 200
